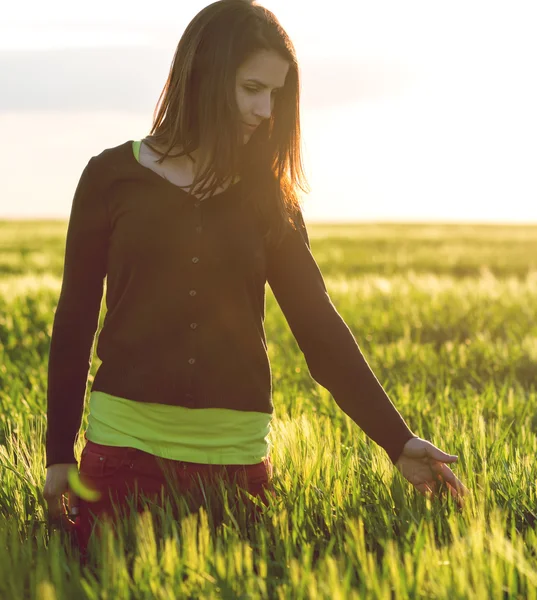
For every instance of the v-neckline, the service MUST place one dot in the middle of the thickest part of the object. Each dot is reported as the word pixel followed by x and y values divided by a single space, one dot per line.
pixel 167 182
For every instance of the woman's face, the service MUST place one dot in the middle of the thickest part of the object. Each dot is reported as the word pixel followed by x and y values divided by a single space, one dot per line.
pixel 257 82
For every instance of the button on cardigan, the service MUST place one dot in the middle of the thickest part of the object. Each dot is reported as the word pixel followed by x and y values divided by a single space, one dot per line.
pixel 171 262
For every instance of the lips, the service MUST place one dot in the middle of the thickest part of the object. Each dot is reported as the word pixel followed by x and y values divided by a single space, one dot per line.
pixel 250 126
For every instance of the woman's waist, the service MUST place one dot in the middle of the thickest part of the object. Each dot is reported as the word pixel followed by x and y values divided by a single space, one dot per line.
pixel 205 435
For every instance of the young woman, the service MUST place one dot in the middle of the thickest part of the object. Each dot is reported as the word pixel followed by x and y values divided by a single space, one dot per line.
pixel 187 226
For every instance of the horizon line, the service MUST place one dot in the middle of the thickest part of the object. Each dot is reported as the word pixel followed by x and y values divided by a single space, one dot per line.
pixel 317 221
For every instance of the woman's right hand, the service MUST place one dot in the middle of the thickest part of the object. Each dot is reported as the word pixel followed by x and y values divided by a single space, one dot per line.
pixel 57 484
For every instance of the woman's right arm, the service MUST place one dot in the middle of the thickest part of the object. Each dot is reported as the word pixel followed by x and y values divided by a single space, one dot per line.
pixel 77 314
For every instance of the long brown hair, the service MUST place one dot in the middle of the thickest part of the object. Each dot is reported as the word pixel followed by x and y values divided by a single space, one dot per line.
pixel 213 46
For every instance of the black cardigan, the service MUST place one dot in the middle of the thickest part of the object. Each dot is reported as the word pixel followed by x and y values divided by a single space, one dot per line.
pixel 185 299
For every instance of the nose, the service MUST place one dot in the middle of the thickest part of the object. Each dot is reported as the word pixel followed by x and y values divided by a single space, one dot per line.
pixel 263 107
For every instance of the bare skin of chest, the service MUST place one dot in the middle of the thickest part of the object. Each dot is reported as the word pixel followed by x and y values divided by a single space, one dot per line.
pixel 178 171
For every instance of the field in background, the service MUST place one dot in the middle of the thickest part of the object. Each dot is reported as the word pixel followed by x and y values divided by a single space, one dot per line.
pixel 446 315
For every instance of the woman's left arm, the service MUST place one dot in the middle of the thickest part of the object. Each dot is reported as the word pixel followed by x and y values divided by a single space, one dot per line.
pixel 330 349
pixel 336 362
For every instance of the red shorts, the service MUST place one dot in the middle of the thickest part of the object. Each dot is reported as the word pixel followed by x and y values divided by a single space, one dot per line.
pixel 127 476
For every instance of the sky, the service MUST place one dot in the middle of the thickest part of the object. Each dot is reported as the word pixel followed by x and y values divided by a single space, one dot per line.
pixel 411 111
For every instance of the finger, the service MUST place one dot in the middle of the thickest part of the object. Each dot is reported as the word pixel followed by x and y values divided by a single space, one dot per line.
pixel 449 477
pixel 455 486
pixel 55 509
pixel 64 507
pixel 72 497
pixel 73 502
pixel 426 489
pixel 53 503
pixel 437 454
pixel 456 496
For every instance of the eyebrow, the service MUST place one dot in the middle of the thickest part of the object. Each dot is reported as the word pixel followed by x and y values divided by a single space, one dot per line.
pixel 261 84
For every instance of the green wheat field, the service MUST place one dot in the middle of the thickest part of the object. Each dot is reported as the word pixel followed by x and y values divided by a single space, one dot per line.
pixel 446 315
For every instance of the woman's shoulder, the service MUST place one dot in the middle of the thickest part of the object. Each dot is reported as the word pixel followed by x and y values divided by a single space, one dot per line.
pixel 113 160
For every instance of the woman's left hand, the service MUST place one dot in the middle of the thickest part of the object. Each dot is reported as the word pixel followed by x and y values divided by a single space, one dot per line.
pixel 422 464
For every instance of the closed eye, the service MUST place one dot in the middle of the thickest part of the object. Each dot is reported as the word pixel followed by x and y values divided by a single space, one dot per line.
pixel 252 90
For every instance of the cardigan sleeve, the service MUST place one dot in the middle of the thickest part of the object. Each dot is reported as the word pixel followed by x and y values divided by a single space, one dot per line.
pixel 77 315
pixel 330 349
